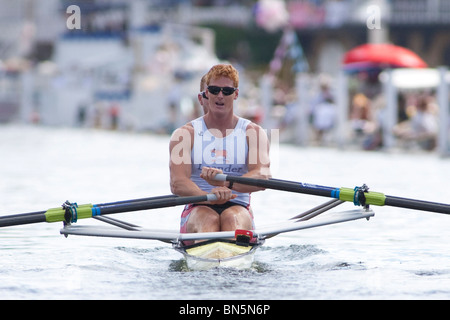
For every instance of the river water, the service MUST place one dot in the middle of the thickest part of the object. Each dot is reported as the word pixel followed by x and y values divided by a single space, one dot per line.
pixel 398 254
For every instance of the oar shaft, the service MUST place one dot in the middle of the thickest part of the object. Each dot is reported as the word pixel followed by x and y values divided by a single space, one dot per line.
pixel 344 194
pixel 138 200
pixel 277 184
pixel 417 204
pixel 148 204
pixel 89 210
pixel 23 218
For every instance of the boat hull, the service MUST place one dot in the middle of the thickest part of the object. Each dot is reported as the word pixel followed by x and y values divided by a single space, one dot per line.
pixel 218 253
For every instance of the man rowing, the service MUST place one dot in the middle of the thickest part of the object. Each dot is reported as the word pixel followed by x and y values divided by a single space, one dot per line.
pixel 216 142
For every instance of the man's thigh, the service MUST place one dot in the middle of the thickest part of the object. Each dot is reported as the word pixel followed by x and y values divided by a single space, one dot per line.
pixel 203 219
pixel 236 217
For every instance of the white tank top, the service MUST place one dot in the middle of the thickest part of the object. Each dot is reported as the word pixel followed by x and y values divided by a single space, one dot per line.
pixel 228 154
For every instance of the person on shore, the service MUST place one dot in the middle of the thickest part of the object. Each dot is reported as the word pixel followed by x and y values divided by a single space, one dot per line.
pixel 422 128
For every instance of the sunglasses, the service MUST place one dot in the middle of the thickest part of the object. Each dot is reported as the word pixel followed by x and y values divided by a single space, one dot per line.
pixel 226 90
pixel 204 95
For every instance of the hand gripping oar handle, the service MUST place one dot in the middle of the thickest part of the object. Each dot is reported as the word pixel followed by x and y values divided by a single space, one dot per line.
pixel 89 210
pixel 358 195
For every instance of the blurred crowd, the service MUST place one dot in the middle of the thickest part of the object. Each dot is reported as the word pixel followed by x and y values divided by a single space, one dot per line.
pixel 417 126
pixel 146 79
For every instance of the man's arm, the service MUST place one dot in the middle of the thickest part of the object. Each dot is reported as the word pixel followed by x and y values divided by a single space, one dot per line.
pixel 180 148
pixel 180 168
pixel 258 157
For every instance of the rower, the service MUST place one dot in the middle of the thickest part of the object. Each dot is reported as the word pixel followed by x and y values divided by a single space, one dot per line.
pixel 216 142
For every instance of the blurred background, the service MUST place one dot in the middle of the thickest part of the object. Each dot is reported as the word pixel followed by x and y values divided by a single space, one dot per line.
pixel 318 70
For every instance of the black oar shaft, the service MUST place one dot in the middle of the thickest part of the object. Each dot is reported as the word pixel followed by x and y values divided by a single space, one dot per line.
pixel 138 200
pixel 356 195
pixel 88 210
pixel 283 185
pixel 417 204
pixel 23 218
pixel 148 204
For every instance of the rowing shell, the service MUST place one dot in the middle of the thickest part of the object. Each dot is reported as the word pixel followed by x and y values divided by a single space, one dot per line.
pixel 218 253
pixel 214 248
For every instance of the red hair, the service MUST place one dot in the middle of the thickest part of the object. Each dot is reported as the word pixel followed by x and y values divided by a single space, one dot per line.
pixel 223 70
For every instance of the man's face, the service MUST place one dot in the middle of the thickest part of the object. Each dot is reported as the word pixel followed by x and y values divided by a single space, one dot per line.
pixel 221 102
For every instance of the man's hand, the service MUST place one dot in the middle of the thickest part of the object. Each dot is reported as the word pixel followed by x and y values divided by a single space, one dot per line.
pixel 223 195
pixel 209 173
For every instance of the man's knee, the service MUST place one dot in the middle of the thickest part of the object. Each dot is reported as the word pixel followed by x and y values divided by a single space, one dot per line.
pixel 203 221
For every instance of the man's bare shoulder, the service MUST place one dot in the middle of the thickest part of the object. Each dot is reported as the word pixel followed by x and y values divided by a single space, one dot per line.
pixel 255 128
pixel 188 126
pixel 186 129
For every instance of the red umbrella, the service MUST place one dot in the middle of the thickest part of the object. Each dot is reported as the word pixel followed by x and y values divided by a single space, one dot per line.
pixel 385 54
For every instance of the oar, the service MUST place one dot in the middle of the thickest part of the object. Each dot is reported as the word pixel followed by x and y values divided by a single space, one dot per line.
pixel 70 212
pixel 358 195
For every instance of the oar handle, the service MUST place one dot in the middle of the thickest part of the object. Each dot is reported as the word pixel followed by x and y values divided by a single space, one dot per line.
pixel 211 197
pixel 220 177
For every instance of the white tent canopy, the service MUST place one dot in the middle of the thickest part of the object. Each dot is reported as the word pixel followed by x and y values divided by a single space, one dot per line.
pixel 414 78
